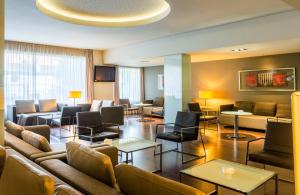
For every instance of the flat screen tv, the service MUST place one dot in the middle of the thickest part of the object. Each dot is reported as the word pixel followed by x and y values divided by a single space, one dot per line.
pixel 104 74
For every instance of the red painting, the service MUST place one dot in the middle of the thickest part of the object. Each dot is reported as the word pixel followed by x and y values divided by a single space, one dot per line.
pixel 251 80
pixel 279 79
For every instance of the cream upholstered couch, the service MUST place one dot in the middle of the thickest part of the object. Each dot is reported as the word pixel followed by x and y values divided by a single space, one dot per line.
pixel 262 111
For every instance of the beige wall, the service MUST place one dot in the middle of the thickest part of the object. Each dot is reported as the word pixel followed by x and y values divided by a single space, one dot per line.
pixel 1 71
pixel 102 90
pixel 222 78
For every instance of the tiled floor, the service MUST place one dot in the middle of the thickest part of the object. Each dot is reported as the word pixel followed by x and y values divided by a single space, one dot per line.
pixel 216 147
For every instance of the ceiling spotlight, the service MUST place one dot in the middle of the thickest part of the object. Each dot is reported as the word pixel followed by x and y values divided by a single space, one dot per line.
pixel 145 61
pixel 239 49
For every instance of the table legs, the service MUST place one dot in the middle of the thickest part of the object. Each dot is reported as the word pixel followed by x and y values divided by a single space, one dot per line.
pixel 236 129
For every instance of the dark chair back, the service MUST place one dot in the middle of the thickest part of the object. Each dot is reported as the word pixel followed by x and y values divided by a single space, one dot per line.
pixel 187 119
pixel 68 115
pixel 89 119
pixel 279 137
pixel 194 107
pixel 125 102
pixel 113 114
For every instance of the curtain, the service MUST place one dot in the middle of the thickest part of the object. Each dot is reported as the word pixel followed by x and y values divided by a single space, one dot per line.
pixel 130 84
pixel 42 72
pixel 89 76
pixel 142 85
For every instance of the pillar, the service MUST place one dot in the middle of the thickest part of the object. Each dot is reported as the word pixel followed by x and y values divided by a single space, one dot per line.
pixel 177 84
pixel 1 72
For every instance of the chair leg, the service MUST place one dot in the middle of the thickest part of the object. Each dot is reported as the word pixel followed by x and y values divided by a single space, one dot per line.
pixel 203 145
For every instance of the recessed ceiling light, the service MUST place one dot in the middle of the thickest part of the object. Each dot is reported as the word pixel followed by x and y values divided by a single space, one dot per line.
pixel 108 13
pixel 239 49
pixel 145 61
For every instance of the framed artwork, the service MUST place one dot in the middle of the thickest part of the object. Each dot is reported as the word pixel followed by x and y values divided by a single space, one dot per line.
pixel 277 79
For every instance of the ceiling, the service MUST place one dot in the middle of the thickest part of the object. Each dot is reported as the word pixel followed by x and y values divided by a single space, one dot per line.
pixel 25 23
pixel 253 50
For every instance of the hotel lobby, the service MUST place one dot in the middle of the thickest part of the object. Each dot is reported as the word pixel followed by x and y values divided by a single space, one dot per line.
pixel 149 97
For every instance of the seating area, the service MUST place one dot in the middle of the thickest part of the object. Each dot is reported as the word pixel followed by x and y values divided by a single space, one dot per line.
pixel 149 97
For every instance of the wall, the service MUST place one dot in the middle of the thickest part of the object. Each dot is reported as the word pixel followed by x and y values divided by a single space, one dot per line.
pixel 222 78
pixel 151 82
pixel 102 90
pixel 1 72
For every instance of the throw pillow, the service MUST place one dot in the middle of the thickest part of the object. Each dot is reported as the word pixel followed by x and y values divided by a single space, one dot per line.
pixel 14 129
pixel 264 108
pixel 25 106
pixel 48 105
pixel 92 163
pixel 19 177
pixel 243 105
pixel 95 107
pixel 36 141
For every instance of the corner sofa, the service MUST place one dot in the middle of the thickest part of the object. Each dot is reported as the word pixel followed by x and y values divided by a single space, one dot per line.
pixel 157 108
pixel 261 112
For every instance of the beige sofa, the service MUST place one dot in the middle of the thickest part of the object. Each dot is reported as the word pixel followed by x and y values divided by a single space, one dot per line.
pixel 157 108
pixel 262 111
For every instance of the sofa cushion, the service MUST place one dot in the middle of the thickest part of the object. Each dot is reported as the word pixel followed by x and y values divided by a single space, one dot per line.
pixel 244 105
pixel 91 162
pixel 19 177
pixel 48 105
pixel 135 181
pixel 14 129
pixel 159 102
pixel 264 108
pixel 25 106
pixel 95 107
pixel 36 141
pixel 283 111
pixel 66 190
pixel 77 179
pixel 2 158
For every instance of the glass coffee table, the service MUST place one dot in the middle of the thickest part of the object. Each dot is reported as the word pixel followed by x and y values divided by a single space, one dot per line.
pixel 130 145
pixel 234 176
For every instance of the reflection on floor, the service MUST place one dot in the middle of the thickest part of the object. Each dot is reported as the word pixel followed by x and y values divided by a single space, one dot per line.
pixel 216 147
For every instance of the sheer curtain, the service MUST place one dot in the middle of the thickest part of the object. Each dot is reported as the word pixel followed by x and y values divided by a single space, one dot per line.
pixel 41 72
pixel 130 84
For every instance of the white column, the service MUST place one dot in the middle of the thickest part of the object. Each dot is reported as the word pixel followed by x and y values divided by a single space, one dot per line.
pixel 177 80
pixel 296 138
pixel 1 72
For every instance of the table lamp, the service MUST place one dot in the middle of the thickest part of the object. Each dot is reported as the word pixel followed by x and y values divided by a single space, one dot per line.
pixel 205 95
pixel 75 95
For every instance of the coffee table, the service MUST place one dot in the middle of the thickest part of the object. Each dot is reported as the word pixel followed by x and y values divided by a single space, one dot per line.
pixel 236 114
pixel 234 176
pixel 132 144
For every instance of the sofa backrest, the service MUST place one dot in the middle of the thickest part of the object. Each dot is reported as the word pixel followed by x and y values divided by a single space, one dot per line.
pixel 19 177
pixel 134 181
pixel 113 114
pixel 159 102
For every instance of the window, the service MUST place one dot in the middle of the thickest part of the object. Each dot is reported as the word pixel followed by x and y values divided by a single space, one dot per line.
pixel 41 72
pixel 130 84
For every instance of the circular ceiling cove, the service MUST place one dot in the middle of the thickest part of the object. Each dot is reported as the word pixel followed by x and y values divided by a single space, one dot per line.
pixel 116 13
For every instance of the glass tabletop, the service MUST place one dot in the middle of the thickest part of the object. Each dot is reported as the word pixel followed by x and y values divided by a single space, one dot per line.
pixel 232 175
pixel 133 144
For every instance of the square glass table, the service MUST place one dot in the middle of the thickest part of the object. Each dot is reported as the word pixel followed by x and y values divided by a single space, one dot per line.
pixel 234 176
pixel 132 144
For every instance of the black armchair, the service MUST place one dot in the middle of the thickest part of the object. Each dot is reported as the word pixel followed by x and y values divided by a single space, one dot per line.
pixel 185 128
pixel 90 127
pixel 278 146
pixel 195 107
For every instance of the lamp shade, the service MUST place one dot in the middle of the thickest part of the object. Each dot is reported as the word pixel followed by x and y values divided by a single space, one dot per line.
pixel 75 94
pixel 205 94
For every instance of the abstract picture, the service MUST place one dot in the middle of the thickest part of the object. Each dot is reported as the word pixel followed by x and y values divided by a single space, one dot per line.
pixel 279 79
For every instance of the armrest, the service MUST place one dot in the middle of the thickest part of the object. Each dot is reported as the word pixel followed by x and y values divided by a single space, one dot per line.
pixel 227 107
pixel 248 146
pixel 162 124
pixel 43 130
